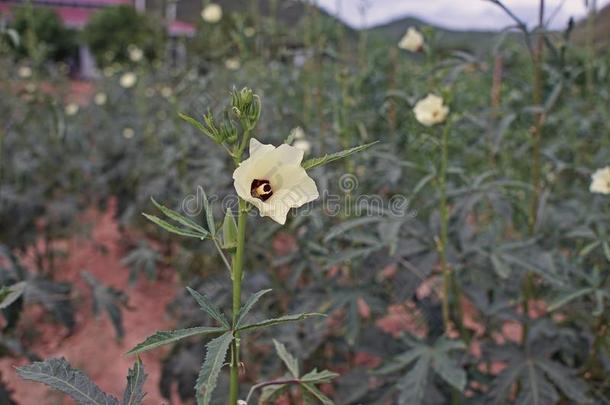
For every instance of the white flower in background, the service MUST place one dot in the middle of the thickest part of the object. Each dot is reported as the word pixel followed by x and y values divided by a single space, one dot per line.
pixel 249 32
pixel 297 133
pixel 192 75
pixel 108 71
pixel 166 91
pixel 273 180
pixel 232 63
pixel 71 109
pixel 430 110
pixel 412 41
pixel 30 87
pixel 302 144
pixel 24 72
pixel 128 133
pixel 100 98
pixel 135 53
pixel 63 68
pixel 360 171
pixel 600 181
pixel 241 402
pixel 128 80
pixel 211 13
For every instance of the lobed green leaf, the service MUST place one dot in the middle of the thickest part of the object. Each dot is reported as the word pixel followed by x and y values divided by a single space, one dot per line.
pixel 317 394
pixel 289 360
pixel 209 214
pixel 181 219
pixel 214 360
pixel 564 299
pixel 209 307
pixel 10 294
pixel 318 377
pixel 326 159
pixel 197 125
pixel 245 309
pixel 412 385
pixel 59 375
pixel 449 371
pixel 166 337
pixel 174 229
pixel 277 321
pixel 134 392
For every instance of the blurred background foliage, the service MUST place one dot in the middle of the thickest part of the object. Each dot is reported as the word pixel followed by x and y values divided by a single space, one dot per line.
pixel 376 276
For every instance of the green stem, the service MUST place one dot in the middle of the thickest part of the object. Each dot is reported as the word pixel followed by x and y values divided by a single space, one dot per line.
pixel 444 214
pixel 1 156
pixel 601 331
pixel 529 282
pixel 222 254
pixel 590 29
pixel 236 276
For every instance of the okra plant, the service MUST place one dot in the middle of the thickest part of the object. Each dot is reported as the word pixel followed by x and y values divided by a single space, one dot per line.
pixel 272 180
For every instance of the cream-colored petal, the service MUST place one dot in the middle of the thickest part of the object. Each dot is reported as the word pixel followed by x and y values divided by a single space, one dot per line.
pixel 430 110
pixel 266 165
pixel 247 170
pixel 435 101
pixel 291 185
pixel 600 181
pixel 444 111
pixel 277 212
pixel 243 180
pixel 257 147
pixel 290 155
pixel 298 195
pixel 412 41
pixel 292 188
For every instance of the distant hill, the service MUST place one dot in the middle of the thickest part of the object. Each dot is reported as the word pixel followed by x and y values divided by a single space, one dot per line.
pixel 289 12
pixel 601 35
pixel 473 41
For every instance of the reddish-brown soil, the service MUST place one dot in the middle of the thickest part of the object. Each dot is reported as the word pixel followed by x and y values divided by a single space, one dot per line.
pixel 93 347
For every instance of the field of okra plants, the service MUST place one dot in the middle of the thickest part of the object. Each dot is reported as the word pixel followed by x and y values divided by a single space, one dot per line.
pixel 303 213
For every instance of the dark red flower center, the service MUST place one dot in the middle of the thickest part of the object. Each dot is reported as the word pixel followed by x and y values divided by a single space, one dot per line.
pixel 261 189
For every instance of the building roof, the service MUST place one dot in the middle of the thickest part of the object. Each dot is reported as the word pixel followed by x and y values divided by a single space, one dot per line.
pixel 181 29
pixel 76 13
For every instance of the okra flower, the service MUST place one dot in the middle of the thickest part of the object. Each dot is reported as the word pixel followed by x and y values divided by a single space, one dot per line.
pixel 25 72
pixel 412 41
pixel 430 110
pixel 135 53
pixel 128 133
pixel 273 180
pixel 302 144
pixel 128 80
pixel 212 13
pixel 299 140
pixel 600 181
pixel 232 63
pixel 100 99
pixel 71 109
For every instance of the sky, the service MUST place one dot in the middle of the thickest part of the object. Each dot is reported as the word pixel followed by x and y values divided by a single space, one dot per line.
pixel 455 14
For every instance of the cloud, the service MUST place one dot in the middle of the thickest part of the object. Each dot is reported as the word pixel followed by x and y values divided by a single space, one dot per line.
pixel 456 14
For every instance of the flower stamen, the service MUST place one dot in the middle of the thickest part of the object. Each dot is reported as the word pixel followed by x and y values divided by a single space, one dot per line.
pixel 261 189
